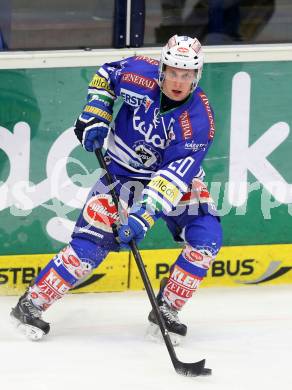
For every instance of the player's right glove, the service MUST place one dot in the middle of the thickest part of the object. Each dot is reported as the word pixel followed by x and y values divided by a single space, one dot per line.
pixel 90 131
pixel 136 227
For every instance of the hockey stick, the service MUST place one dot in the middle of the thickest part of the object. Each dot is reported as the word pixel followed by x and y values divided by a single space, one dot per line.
pixel 188 369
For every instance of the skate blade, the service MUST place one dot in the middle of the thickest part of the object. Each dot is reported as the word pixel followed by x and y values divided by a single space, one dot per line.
pixel 153 333
pixel 31 332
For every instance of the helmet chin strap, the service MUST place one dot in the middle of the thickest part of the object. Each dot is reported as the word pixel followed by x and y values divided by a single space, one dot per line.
pixel 161 79
pixel 194 86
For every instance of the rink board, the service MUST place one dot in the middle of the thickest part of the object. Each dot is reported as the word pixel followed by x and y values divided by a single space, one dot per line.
pixel 17 272
pixel 234 266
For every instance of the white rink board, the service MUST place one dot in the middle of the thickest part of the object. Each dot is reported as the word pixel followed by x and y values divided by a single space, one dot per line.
pixel 94 57
pixel 97 342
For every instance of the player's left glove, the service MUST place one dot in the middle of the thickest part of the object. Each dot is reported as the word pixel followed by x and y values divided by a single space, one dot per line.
pixel 90 131
pixel 139 222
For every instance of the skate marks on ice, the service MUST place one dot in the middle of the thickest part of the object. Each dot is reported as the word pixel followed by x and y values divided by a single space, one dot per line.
pixel 99 341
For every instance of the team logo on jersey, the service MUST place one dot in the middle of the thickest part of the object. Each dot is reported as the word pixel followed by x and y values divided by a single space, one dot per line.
pixel 141 81
pixel 171 134
pixel 148 156
pixel 136 99
pixel 164 188
pixel 143 154
pixel 100 83
pixel 149 132
pixel 191 145
pixel 101 212
pixel 209 113
pixel 186 126
pixel 150 61
pixel 147 102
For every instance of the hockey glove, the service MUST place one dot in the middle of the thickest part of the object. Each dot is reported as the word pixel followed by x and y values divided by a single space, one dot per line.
pixel 90 131
pixel 137 226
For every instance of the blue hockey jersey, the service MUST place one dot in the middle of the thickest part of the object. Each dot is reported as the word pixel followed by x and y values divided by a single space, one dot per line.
pixel 164 148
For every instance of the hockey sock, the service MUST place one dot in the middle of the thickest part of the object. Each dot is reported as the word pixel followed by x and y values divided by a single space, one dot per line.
pixel 186 275
pixel 71 265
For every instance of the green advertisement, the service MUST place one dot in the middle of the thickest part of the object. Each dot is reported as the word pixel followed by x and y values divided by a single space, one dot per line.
pixel 45 174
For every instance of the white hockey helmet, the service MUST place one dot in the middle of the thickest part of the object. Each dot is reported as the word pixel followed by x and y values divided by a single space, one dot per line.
pixel 182 52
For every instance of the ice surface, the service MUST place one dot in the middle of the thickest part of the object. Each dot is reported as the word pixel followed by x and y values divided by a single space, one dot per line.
pixel 97 341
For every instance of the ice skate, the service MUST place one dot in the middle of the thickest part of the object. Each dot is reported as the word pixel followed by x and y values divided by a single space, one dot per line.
pixel 177 330
pixel 27 319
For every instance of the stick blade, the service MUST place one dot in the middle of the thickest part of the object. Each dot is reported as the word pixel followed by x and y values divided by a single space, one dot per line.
pixel 192 369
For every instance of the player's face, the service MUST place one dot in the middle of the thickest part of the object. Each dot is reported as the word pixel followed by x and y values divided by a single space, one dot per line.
pixel 177 82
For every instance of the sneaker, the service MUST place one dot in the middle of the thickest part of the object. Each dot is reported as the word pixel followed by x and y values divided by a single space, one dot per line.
pixel 176 329
pixel 27 319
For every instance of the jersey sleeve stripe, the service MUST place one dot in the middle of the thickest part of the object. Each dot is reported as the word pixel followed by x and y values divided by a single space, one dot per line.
pixel 103 73
pixel 95 91
pixel 165 204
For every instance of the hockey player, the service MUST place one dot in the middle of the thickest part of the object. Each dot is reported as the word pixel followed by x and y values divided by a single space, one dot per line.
pixel 156 145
